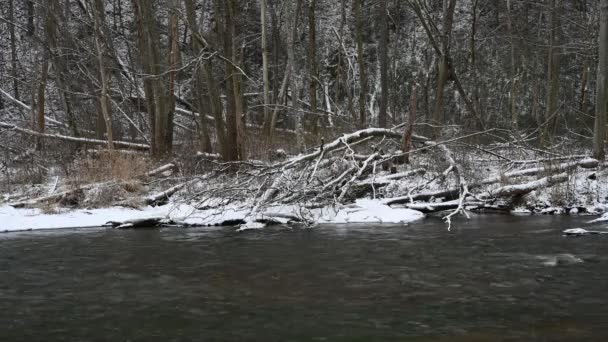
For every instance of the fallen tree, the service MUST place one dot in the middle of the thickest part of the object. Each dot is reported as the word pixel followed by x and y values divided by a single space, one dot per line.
pixel 485 199
pixel 451 194
pixel 120 144
pixel 352 166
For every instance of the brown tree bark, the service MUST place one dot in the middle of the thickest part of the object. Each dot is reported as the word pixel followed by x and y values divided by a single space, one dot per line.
pixel 443 72
pixel 199 76
pixel 157 97
pixel 235 129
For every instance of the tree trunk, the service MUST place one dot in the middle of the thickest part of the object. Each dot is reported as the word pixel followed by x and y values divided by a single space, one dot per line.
pixel 448 19
pixel 174 65
pixel 312 65
pixel 98 23
pixel 601 106
pixel 291 41
pixel 234 123
pixel 409 127
pixel 266 80
pixel 156 95
pixel 553 72
pixel 11 18
pixel 361 61
pixel 513 50
pixel 383 59
pixel 30 18
pixel 199 76
pixel 53 18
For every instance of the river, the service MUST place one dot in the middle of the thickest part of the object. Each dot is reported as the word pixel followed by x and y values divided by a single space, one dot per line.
pixel 492 278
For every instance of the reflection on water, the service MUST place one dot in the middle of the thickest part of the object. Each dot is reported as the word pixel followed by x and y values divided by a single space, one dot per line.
pixel 492 278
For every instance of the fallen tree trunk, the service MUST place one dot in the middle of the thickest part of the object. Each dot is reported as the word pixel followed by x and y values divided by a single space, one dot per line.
pixel 163 197
pixel 522 189
pixel 150 222
pixel 362 188
pixel 451 194
pixel 162 169
pixel 425 196
pixel 121 144
pixel 481 200
pixel 586 163
pixel 58 196
pixel 346 139
pixel 428 208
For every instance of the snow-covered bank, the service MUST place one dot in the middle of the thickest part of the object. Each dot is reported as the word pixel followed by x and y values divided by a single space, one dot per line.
pixel 362 211
pixel 333 183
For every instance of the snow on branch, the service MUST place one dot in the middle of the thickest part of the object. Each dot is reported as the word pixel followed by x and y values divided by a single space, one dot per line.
pixel 26 131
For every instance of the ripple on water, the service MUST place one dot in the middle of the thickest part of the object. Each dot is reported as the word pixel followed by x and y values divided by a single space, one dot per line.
pixel 487 279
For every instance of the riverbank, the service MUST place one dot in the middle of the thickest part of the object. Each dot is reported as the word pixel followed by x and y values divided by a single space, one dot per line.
pixel 241 216
pixel 361 177
pixel 187 207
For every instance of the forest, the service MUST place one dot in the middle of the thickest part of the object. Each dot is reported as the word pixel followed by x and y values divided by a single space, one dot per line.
pixel 422 105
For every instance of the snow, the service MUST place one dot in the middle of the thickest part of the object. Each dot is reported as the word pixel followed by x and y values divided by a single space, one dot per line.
pixel 369 211
pixel 12 219
pixel 363 211
pixel 576 231
pixel 250 225
pixel 602 218
pixel 581 231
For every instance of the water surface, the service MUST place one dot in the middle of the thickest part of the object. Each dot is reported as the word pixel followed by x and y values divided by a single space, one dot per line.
pixel 491 278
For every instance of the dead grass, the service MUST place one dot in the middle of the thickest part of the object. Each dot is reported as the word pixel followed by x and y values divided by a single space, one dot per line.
pixel 48 208
pixel 109 166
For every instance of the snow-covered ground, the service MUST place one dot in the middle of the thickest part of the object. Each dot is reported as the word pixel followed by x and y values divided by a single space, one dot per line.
pixel 363 211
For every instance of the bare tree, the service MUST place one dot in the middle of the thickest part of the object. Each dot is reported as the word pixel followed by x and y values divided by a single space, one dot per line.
pixel 159 105
pixel 98 24
pixel 197 43
pixel 313 65
pixel 553 72
pixel 358 4
pixel 11 26
pixel 601 106
pixel 383 59
pixel 266 80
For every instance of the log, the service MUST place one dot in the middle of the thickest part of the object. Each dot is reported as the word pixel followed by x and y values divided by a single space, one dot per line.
pixel 425 196
pixel 162 198
pixel 453 193
pixel 56 197
pixel 522 189
pixel 346 139
pixel 121 144
pixel 367 186
pixel 150 222
pixel 586 163
pixel 505 191
pixel 428 208
pixel 162 169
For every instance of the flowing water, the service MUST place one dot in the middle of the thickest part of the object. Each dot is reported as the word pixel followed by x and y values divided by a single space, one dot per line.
pixel 492 278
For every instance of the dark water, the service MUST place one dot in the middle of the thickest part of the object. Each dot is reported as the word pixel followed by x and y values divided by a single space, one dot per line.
pixel 492 278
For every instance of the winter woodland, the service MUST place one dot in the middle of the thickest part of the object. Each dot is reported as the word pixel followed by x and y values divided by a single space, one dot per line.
pixel 254 112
